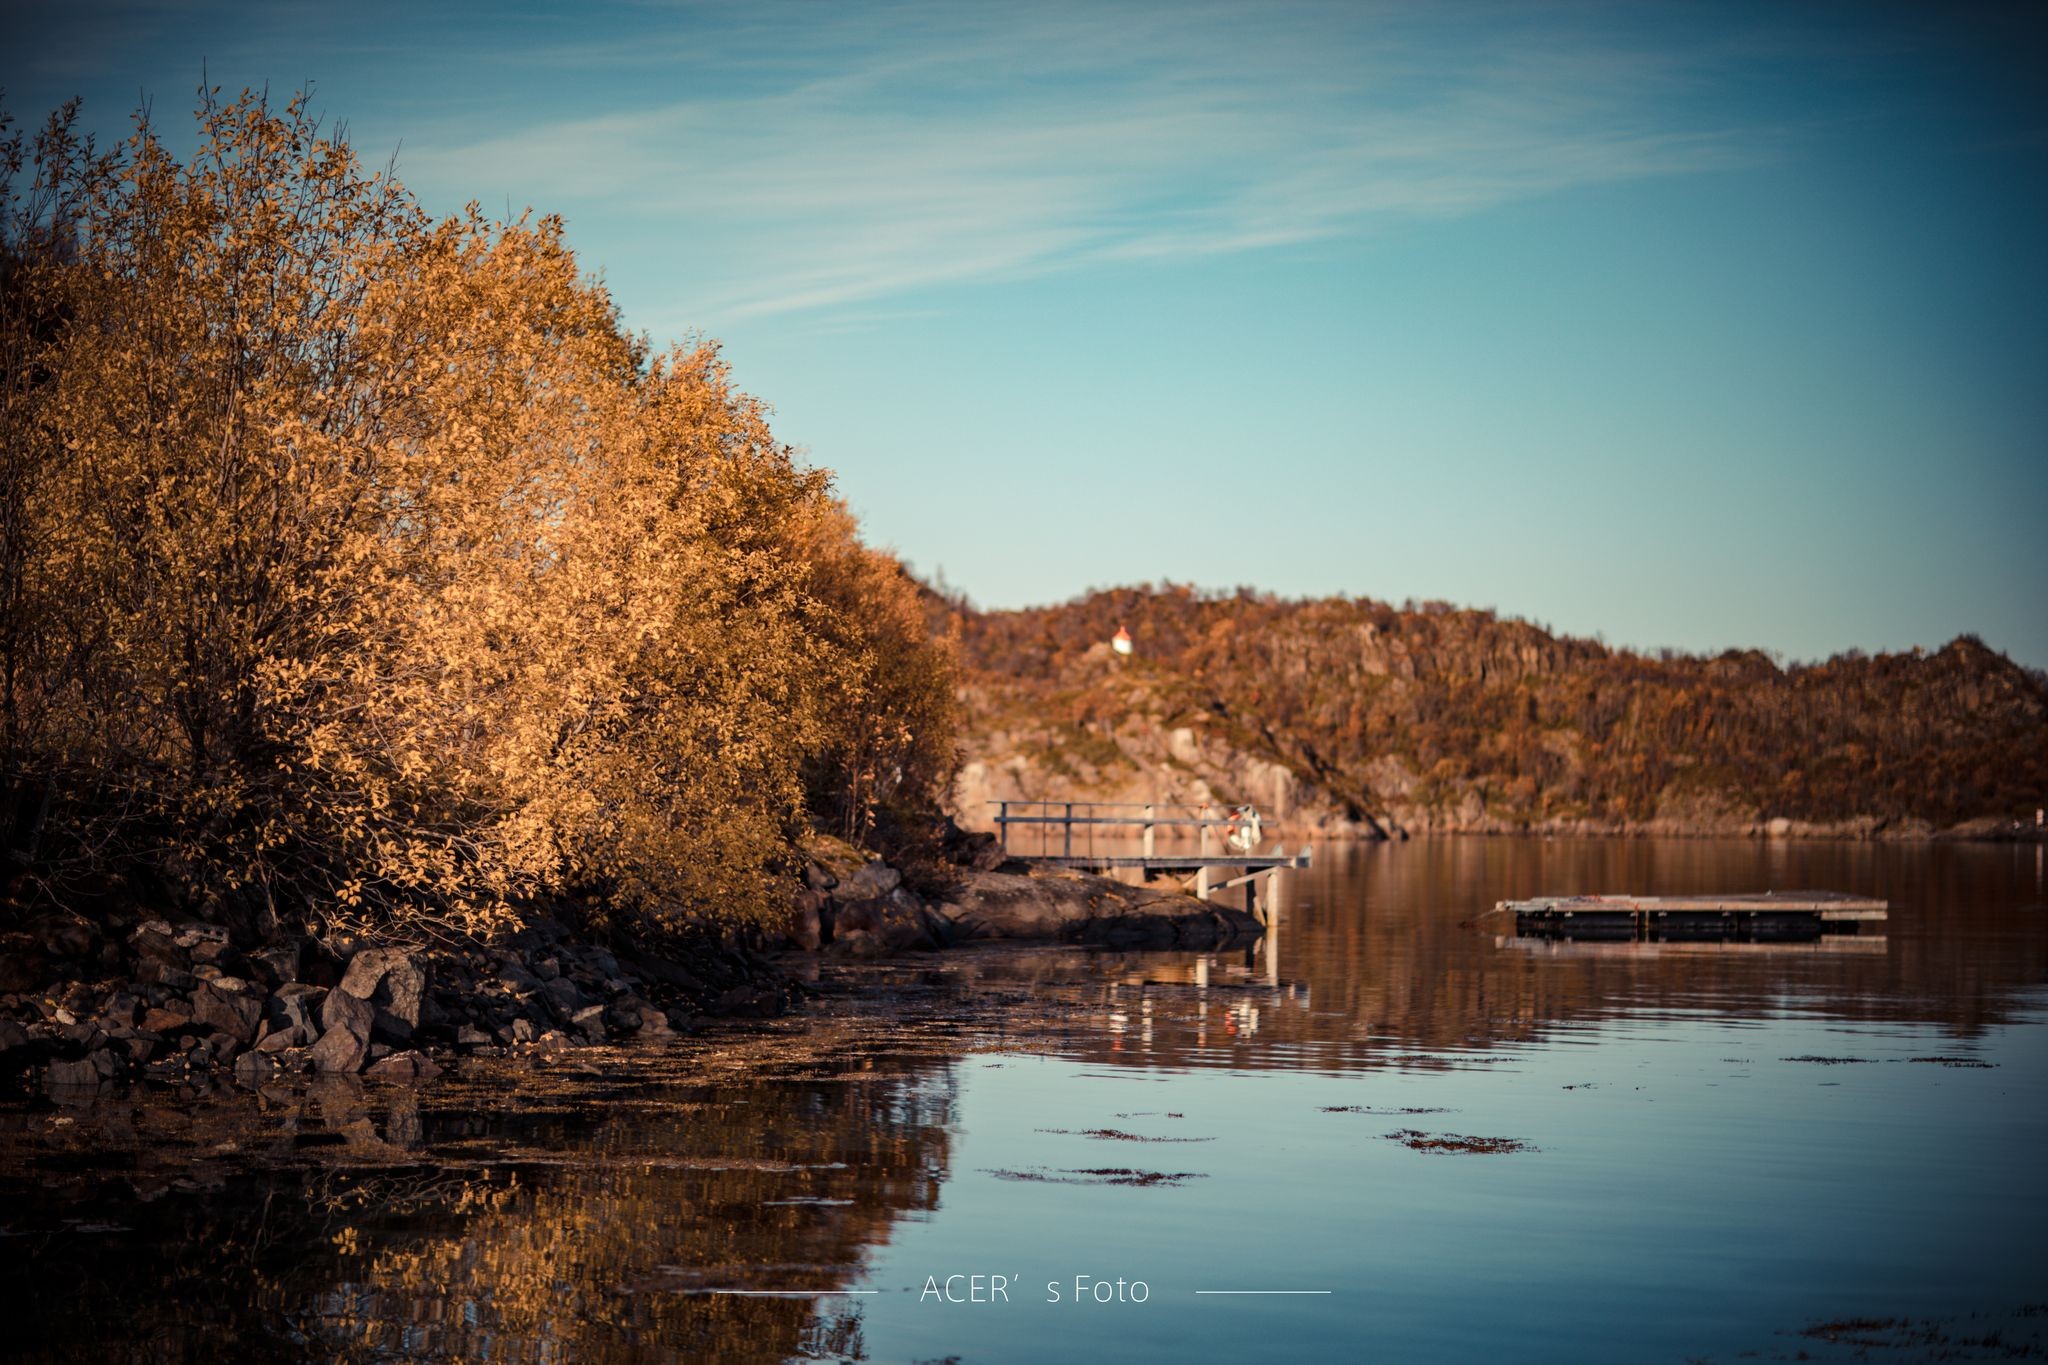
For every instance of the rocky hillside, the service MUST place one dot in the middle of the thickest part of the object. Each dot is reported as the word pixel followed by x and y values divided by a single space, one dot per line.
pixel 1343 716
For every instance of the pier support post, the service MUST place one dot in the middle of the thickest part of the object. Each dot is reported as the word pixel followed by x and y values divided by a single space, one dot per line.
pixel 1271 940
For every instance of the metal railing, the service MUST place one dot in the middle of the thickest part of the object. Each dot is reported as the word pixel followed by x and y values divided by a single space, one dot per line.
pixel 1092 815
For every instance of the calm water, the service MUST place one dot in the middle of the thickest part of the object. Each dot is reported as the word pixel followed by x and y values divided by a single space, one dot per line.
pixel 1726 1150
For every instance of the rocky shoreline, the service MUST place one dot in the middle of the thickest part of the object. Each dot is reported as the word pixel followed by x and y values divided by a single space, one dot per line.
pixel 85 1006
pixel 855 907
pixel 166 1002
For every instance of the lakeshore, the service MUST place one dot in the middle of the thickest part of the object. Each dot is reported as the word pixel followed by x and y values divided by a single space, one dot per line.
pixel 89 1004
pixel 1378 1099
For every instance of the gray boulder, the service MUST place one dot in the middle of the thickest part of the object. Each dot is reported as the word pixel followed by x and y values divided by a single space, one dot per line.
pixel 805 925
pixel 294 1009
pixel 394 982
pixel 167 1019
pixel 403 995
pixel 564 1000
pixel 71 1076
pixel 404 1066
pixel 893 923
pixel 874 880
pixel 341 1049
pixel 193 933
pixel 351 1011
pixel 228 1006
pixel 280 963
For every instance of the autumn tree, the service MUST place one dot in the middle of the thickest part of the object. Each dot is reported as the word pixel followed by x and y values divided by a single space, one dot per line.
pixel 360 565
pixel 891 742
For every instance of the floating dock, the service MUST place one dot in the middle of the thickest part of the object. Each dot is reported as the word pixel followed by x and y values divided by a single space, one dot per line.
pixel 1763 917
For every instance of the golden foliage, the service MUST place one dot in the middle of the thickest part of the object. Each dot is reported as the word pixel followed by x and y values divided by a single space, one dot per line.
pixel 360 562
pixel 1541 726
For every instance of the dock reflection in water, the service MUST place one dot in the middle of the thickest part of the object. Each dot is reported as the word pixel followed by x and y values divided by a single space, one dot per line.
pixel 1384 950
pixel 1675 1160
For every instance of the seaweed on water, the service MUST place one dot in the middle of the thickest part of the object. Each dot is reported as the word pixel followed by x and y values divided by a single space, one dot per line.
pixel 1099 1175
pixel 1839 1328
pixel 1369 1109
pixel 1118 1135
pixel 1416 1141
pixel 1125 1175
pixel 1975 1336
pixel 1933 1336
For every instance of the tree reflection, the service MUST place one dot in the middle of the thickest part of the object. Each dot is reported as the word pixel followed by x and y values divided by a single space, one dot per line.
pixel 576 1224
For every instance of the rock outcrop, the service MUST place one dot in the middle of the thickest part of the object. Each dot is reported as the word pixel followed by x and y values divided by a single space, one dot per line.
pixel 1073 907
pixel 855 906
pixel 166 1002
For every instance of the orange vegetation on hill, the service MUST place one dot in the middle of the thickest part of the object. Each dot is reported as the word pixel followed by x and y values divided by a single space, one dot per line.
pixel 1345 711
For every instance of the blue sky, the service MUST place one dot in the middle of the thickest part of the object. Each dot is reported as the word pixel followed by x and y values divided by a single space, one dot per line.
pixel 1689 325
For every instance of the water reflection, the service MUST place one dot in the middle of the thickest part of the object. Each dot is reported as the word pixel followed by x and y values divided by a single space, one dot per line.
pixel 586 1219
pixel 593 1209
pixel 1381 952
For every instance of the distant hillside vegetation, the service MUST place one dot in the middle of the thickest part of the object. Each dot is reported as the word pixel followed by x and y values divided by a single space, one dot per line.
pixel 1355 716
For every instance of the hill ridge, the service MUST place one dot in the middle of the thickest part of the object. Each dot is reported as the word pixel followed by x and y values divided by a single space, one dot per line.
pixel 1352 716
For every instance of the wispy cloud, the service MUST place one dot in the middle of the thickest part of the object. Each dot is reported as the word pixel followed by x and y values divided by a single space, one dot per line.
pixel 820 159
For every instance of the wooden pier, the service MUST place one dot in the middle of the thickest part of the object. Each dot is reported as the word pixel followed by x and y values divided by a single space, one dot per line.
pixel 1056 823
pixel 1764 917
